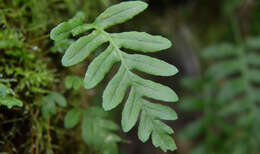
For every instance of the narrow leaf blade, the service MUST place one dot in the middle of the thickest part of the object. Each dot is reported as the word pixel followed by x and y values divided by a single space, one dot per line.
pixel 81 29
pixel 74 82
pixel 162 127
pixel 154 90
pixel 145 127
pixel 253 42
pixel 99 67
pixel 72 118
pixel 224 69
pixel 119 13
pixel 115 90
pixel 150 65
pixel 164 141
pixel 82 48
pixel 231 89
pixel 141 41
pixel 63 30
pixel 131 111
pixel 219 51
pixel 59 99
pixel 159 111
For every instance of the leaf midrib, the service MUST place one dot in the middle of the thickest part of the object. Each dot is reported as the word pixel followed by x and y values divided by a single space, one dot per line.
pixel 117 50
pixel 139 40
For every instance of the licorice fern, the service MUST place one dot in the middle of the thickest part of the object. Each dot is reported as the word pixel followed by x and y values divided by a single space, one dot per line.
pixel 48 104
pixel 228 97
pixel 97 129
pixel 113 95
pixel 238 68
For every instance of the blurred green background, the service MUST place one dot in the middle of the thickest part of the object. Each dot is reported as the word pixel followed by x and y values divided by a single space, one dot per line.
pixel 216 47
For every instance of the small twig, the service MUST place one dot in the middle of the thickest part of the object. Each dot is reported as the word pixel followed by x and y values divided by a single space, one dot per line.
pixel 49 135
pixel 40 38
pixel 13 120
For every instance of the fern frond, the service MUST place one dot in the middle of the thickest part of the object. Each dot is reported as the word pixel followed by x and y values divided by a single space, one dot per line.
pixel 97 131
pixel 125 78
pixel 230 92
pixel 48 104
pixel 241 62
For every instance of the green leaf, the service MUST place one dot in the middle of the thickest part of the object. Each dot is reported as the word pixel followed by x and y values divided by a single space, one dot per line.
pixel 145 127
pixel 150 65
pixel 61 46
pixel 254 75
pixel 150 125
pixel 233 108
pixel 82 48
pixel 99 67
pixel 192 130
pixel 161 136
pixel 4 90
pixel 110 149
pixel 97 131
pixel 159 111
pixel 72 118
pixel 199 149
pixel 108 124
pixel 131 111
pixel 141 41
pixel 253 42
pixel 10 43
pixel 162 127
pixel 119 13
pixel 224 69
pixel 231 89
pixel 59 99
pixel 116 89
pixel 63 30
pixel 89 129
pixel 48 107
pixel 153 90
pixel 74 82
pixel 81 29
pixel 164 141
pixel 219 51
pixel 10 102
pixel 253 59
